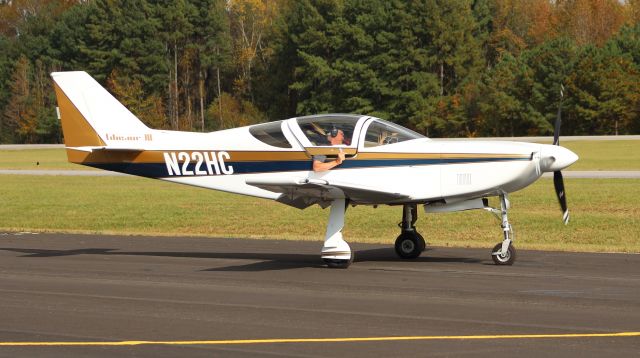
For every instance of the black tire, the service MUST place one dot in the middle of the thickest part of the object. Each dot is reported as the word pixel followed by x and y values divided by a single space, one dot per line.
pixel 504 260
pixel 338 264
pixel 408 245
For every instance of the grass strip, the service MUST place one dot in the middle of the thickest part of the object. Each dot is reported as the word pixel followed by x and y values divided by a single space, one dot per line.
pixel 605 214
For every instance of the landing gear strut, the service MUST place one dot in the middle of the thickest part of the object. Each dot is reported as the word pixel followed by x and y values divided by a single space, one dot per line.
pixel 504 253
pixel 410 244
pixel 336 253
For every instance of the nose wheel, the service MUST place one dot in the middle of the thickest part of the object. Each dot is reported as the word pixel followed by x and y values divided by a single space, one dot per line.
pixel 503 258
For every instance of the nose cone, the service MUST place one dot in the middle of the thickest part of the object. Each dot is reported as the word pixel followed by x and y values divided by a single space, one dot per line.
pixel 558 157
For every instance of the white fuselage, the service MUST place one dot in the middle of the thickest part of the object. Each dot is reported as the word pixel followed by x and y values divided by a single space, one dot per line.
pixel 457 171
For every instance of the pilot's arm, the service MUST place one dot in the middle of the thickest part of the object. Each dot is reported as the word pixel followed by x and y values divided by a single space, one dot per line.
pixel 319 164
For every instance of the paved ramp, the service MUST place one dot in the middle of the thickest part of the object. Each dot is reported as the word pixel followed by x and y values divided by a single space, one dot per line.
pixel 82 295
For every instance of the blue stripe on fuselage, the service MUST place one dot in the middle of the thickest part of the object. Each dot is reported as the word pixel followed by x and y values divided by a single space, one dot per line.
pixel 159 170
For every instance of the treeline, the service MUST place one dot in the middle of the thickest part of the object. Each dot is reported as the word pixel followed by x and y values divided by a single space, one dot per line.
pixel 441 67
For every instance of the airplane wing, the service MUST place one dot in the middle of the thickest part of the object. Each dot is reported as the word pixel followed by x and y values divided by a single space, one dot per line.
pixel 304 192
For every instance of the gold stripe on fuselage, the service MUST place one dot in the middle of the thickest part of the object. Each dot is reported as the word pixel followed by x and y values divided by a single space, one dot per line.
pixel 330 151
pixel 369 155
pixel 157 156
pixel 483 156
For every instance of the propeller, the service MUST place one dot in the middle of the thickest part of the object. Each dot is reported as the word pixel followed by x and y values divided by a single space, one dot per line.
pixel 558 181
pixel 556 129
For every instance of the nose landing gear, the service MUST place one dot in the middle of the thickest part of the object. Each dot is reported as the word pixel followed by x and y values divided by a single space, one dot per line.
pixel 504 253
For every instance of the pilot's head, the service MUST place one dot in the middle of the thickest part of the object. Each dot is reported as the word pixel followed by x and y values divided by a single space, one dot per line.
pixel 335 136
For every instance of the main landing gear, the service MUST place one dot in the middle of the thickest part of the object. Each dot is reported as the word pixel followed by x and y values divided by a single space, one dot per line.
pixel 410 244
pixel 504 253
pixel 336 253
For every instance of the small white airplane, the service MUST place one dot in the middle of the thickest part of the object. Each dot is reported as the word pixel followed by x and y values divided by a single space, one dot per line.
pixel 384 163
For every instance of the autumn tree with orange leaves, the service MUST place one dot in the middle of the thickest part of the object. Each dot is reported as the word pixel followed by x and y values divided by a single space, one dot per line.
pixel 250 23
pixel 590 21
pixel 20 112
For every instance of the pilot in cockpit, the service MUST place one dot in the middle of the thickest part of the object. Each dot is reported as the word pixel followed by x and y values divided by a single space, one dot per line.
pixel 335 137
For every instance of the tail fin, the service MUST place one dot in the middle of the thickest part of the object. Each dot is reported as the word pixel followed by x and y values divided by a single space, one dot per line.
pixel 92 118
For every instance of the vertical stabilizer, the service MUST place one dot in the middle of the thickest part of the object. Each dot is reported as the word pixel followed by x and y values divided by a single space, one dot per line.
pixel 91 116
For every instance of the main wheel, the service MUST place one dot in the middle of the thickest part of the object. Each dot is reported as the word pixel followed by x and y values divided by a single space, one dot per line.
pixel 340 264
pixel 408 245
pixel 507 258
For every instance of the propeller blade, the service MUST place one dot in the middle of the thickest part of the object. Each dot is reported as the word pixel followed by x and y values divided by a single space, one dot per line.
pixel 558 183
pixel 556 129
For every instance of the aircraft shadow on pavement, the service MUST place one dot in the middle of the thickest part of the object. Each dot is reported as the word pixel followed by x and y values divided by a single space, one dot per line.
pixel 389 254
pixel 267 261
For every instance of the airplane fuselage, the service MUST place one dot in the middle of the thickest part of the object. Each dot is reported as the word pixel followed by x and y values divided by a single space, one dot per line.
pixel 422 169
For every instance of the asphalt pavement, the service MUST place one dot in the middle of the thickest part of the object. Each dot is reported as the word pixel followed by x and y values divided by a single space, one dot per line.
pixel 87 295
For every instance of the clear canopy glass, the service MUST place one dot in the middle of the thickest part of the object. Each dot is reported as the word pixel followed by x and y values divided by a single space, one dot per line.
pixel 271 134
pixel 381 132
pixel 318 128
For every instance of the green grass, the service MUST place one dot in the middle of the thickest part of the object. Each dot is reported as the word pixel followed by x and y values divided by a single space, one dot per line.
pixel 605 214
pixel 605 155
pixel 37 159
pixel 594 155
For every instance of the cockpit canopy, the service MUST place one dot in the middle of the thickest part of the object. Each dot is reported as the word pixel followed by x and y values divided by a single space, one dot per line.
pixel 380 132
pixel 317 129
pixel 271 134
